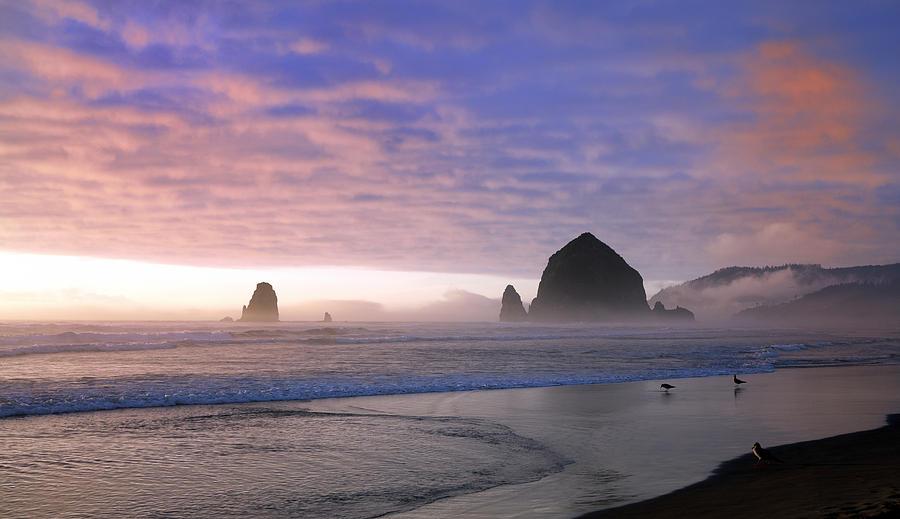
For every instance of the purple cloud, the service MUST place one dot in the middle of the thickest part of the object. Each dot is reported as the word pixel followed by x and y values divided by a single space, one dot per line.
pixel 449 136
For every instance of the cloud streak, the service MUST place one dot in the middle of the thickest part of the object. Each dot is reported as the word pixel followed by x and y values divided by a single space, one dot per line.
pixel 444 137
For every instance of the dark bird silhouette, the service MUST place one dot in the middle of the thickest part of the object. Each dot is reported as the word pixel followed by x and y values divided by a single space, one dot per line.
pixel 667 387
pixel 764 455
pixel 738 381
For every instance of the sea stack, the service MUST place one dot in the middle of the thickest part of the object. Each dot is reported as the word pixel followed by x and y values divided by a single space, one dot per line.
pixel 327 318
pixel 677 314
pixel 588 281
pixel 263 305
pixel 511 309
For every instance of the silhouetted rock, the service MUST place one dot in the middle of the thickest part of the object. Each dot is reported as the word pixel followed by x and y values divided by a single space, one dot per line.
pixel 678 314
pixel 263 305
pixel 588 281
pixel 226 319
pixel 511 309
pixel 327 318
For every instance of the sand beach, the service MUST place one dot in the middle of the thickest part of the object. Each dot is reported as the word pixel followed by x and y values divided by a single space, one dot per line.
pixel 207 440
pixel 629 442
pixel 851 475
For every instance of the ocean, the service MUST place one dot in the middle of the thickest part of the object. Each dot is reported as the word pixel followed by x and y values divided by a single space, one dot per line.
pixel 347 420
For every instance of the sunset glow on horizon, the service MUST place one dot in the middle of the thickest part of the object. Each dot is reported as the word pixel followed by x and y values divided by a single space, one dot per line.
pixel 54 287
pixel 406 160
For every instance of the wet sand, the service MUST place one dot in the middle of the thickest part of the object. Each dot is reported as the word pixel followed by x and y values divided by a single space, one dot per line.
pixel 631 442
pixel 851 475
pixel 552 452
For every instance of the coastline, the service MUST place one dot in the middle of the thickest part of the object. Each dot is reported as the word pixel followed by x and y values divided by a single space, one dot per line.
pixel 631 442
pixel 849 475
pixel 541 452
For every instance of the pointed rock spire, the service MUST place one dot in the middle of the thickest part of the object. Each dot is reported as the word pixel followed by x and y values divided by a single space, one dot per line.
pixel 511 309
pixel 263 305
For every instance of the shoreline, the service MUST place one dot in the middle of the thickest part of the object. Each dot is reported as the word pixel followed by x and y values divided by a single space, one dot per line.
pixel 627 442
pixel 849 475
pixel 632 442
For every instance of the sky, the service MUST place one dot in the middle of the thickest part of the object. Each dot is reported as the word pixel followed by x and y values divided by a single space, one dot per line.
pixel 407 160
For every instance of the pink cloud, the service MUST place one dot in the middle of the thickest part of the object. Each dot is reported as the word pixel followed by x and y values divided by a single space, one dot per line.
pixel 54 11
pixel 808 117
pixel 308 45
pixel 61 67
pixel 774 244
pixel 795 176
pixel 224 163
pixel 135 35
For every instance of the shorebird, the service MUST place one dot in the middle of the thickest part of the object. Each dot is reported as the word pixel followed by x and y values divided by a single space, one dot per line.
pixel 667 387
pixel 738 381
pixel 764 455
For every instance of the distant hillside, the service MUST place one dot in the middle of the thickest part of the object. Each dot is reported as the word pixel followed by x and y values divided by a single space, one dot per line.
pixel 836 305
pixel 727 291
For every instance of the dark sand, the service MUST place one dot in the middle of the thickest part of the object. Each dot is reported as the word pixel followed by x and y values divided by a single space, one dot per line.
pixel 852 475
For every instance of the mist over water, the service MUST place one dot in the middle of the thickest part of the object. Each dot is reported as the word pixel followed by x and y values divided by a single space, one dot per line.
pixel 292 450
pixel 53 368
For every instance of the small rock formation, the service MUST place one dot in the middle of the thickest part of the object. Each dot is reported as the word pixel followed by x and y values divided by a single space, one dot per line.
pixel 511 309
pixel 679 313
pixel 226 319
pixel 263 305
pixel 588 281
pixel 327 318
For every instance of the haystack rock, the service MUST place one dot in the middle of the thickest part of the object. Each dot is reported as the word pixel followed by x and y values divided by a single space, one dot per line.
pixel 263 305
pixel 511 309
pixel 327 318
pixel 677 314
pixel 588 281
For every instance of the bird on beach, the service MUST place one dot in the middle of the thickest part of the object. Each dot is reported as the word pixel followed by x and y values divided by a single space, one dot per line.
pixel 667 387
pixel 762 455
pixel 738 381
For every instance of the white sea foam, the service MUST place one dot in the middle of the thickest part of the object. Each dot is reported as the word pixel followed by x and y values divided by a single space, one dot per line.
pixel 211 364
pixel 101 395
pixel 112 337
pixel 67 348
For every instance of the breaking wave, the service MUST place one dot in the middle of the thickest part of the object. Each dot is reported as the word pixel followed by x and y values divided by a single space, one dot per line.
pixel 211 364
